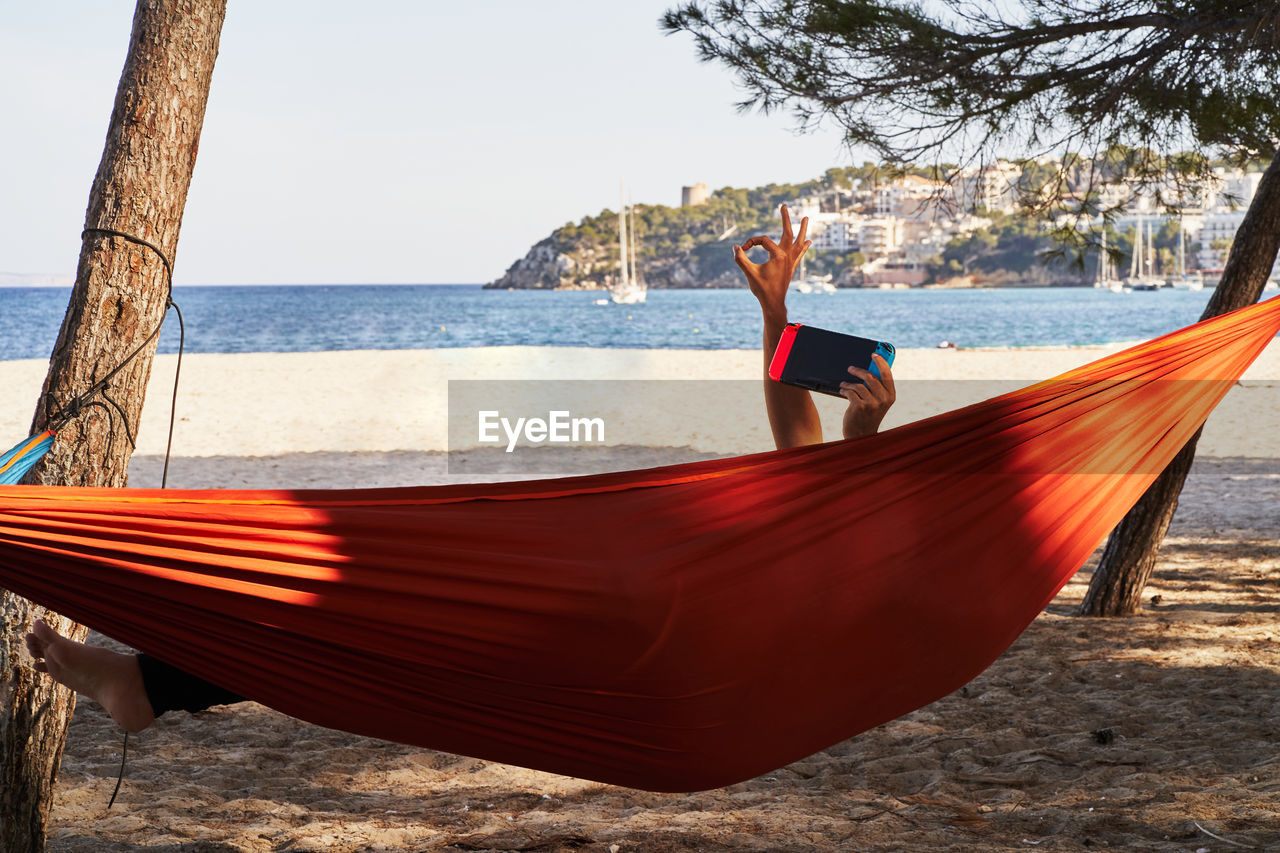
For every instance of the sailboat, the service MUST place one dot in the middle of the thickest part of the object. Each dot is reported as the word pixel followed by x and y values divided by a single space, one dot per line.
pixel 1141 273
pixel 1106 278
pixel 811 283
pixel 629 289
pixel 1185 280
pixel 800 283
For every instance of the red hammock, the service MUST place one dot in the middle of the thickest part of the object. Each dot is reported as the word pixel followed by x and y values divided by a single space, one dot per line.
pixel 671 629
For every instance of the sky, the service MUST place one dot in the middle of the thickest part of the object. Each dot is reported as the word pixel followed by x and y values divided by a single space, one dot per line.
pixel 387 141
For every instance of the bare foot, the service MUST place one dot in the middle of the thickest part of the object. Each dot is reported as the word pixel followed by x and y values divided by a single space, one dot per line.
pixel 111 679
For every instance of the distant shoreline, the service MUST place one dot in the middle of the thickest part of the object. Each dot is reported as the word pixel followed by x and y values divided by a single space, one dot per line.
pixel 743 286
pixel 179 285
pixel 489 286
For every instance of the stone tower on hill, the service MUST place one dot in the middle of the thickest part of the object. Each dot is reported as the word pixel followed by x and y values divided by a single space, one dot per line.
pixel 694 195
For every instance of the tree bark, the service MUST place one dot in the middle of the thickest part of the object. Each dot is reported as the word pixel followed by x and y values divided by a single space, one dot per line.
pixel 119 299
pixel 1130 554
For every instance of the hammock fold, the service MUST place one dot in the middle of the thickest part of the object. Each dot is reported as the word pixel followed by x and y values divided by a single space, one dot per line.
pixel 671 629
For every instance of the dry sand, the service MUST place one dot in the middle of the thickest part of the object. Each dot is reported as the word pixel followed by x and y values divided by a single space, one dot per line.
pixel 1156 732
pixel 365 401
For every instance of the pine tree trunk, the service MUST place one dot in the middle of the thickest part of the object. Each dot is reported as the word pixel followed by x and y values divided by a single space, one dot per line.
pixel 1130 554
pixel 119 298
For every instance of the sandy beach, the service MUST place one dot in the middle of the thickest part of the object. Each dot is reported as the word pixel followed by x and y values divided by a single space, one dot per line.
pixel 1156 732
pixel 278 404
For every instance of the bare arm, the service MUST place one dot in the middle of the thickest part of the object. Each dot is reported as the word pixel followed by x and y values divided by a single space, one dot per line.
pixel 792 416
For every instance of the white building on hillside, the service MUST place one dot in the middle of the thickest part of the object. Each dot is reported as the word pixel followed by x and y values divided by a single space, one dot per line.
pixel 911 196
pixel 850 232
pixel 830 232
pixel 833 232
pixel 991 187
pixel 1234 188
pixel 879 235
pixel 1220 227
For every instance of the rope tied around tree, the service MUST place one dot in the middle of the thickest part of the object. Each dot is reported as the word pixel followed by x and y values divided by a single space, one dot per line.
pixel 59 417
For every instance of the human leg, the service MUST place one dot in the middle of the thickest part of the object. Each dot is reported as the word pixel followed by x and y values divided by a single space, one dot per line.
pixel 133 689
pixel 111 679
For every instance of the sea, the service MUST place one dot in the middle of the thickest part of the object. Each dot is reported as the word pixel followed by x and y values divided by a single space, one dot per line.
pixel 312 318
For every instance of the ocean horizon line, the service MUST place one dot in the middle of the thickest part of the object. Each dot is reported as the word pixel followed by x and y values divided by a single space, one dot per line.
pixel 321 318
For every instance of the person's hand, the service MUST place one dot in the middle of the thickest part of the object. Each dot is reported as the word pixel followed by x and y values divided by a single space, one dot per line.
pixel 869 400
pixel 769 281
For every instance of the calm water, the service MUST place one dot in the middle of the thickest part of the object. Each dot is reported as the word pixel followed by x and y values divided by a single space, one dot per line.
pixel 314 318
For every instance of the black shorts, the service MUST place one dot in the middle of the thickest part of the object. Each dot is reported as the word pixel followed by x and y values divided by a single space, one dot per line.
pixel 172 689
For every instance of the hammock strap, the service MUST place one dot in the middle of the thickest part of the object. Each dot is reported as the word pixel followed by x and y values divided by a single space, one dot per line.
pixel 15 462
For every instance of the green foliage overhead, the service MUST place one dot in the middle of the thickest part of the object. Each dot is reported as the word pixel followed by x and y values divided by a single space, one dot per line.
pixel 1139 89
pixel 913 79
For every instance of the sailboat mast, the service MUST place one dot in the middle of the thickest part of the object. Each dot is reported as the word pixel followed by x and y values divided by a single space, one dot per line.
pixel 631 207
pixel 1143 249
pixel 622 234
pixel 1182 251
pixel 1135 261
pixel 1151 254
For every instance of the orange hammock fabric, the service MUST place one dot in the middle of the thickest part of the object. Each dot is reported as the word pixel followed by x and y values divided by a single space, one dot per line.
pixel 672 629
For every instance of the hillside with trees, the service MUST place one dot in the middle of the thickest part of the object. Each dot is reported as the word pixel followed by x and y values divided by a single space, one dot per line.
pixel 677 246
pixel 1021 244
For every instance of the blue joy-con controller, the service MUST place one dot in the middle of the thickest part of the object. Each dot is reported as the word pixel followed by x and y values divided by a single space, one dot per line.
pixel 885 351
